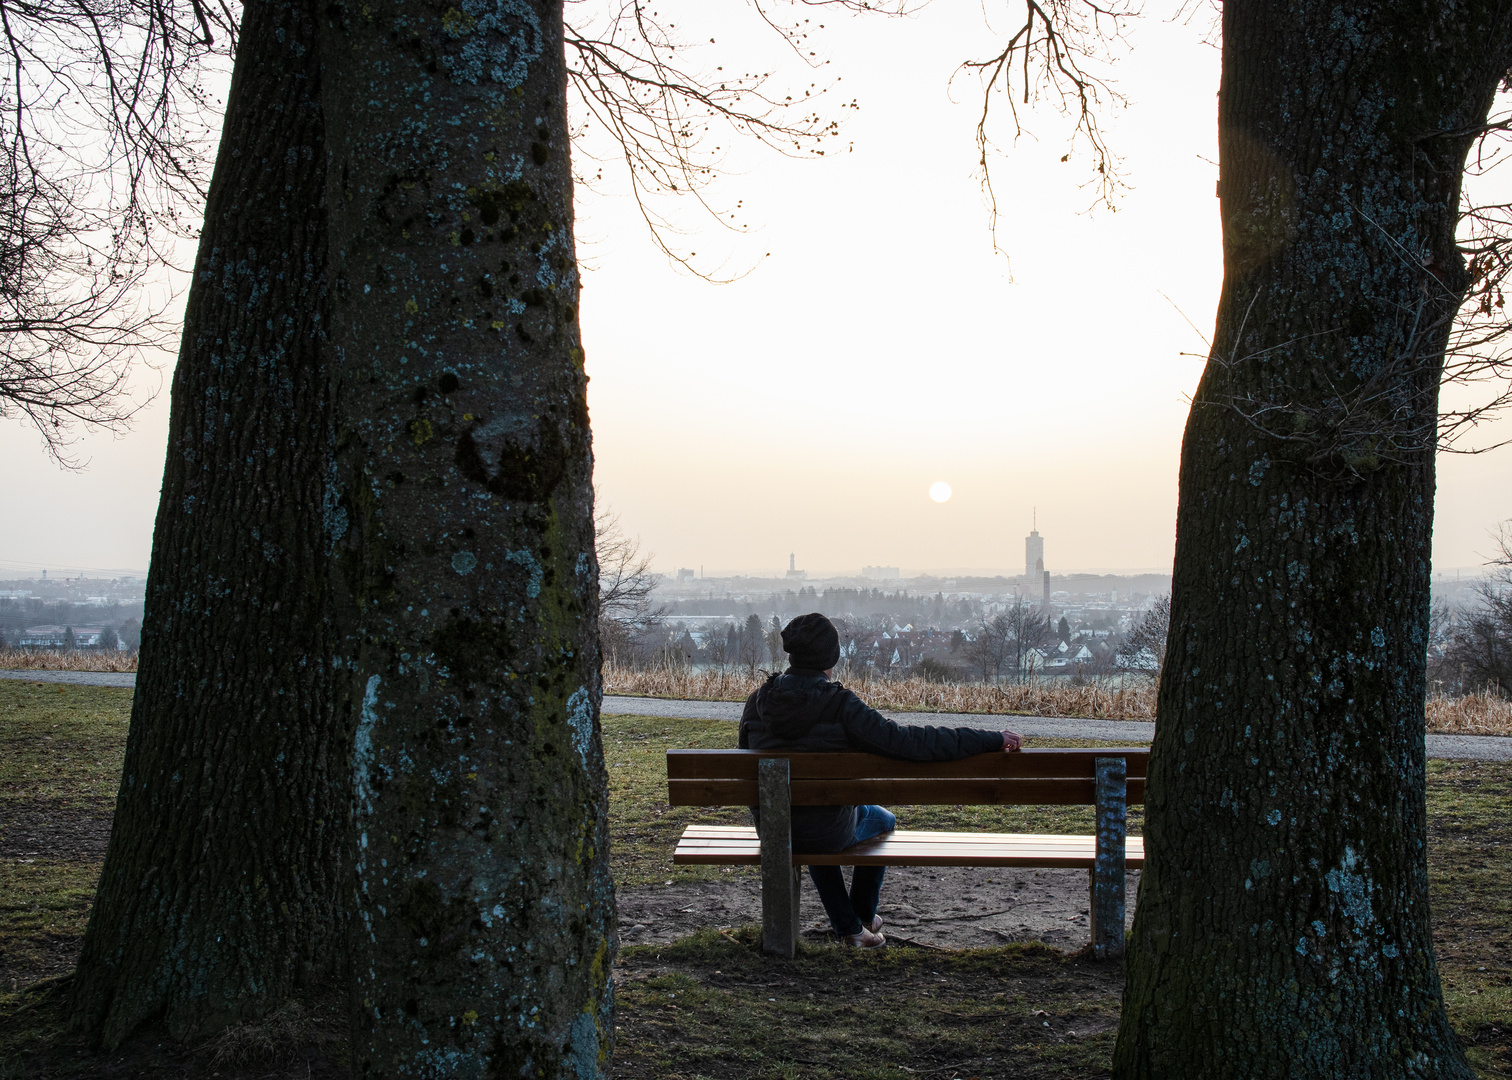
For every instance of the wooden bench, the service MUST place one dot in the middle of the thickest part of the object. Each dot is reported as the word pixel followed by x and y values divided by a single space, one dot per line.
pixel 1109 779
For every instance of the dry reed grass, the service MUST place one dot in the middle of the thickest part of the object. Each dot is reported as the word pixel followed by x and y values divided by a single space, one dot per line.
pixel 1481 713
pixel 1474 714
pixel 1101 701
pixel 78 660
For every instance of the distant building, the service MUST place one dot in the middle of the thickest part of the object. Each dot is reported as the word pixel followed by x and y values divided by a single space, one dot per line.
pixel 56 637
pixel 43 637
pixel 880 573
pixel 1034 555
pixel 684 573
pixel 793 573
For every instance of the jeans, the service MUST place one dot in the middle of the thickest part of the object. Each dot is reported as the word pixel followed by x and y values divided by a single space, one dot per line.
pixel 849 912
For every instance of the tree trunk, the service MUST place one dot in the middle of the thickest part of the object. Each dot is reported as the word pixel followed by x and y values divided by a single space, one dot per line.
pixel 219 889
pixel 483 910
pixel 1283 926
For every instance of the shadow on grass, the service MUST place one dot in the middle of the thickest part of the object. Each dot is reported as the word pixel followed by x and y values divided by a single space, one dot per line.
pixel 711 1006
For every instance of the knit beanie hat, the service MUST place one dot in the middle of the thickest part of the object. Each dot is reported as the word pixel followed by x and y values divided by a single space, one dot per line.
pixel 811 642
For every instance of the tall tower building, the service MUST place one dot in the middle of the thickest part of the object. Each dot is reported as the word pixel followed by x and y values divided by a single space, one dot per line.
pixel 1034 552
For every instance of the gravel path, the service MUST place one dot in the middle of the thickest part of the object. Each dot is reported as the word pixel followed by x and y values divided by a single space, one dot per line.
pixel 1463 747
pixel 1038 726
pixel 80 678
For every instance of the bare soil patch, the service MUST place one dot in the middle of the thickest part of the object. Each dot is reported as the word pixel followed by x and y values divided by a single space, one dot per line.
pixel 944 907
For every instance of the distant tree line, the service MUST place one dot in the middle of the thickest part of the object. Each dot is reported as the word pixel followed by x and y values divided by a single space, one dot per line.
pixel 1143 647
pixel 123 621
pixel 1471 650
pixel 839 602
pixel 1006 641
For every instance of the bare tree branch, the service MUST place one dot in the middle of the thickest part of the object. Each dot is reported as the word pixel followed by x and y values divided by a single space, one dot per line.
pixel 1052 56
pixel 626 580
pixel 105 131
pixel 630 80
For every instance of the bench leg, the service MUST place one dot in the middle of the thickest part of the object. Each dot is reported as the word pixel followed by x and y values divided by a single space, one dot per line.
pixel 779 878
pixel 1108 871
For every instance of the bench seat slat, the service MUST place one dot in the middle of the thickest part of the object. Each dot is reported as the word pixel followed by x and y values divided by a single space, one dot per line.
pixel 1006 791
pixel 913 836
pixel 741 764
pixel 691 843
pixel 740 846
pixel 942 850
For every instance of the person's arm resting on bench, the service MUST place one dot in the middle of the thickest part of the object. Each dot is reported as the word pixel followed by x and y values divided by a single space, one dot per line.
pixel 874 733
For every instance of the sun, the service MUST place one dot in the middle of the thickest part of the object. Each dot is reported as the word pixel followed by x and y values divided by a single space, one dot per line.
pixel 939 491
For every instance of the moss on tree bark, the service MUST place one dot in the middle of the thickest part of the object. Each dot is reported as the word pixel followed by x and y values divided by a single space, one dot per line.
pixel 483 910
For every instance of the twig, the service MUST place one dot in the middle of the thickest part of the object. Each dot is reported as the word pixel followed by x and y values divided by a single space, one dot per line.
pixel 896 940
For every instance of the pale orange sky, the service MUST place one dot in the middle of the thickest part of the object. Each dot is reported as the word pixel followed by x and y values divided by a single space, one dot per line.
pixel 882 346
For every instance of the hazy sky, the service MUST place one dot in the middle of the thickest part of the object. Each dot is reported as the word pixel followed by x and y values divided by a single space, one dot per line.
pixel 882 346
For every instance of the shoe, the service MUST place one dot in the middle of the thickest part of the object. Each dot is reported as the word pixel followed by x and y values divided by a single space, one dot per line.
pixel 875 926
pixel 866 939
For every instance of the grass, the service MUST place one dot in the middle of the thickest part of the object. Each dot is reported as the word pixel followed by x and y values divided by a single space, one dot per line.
pixel 44 906
pixel 60 764
pixel 1469 870
pixel 62 743
pixel 709 1006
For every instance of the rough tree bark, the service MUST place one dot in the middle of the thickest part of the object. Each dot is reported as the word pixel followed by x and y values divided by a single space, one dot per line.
pixel 482 907
pixel 1283 925
pixel 220 885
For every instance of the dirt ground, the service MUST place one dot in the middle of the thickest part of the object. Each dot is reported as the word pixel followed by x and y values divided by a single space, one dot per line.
pixel 942 906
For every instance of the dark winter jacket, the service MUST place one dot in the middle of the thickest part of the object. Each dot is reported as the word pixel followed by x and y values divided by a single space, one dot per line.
pixel 803 711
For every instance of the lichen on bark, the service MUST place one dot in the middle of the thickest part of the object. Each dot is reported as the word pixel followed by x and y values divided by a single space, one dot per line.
pixel 1283 926
pixel 483 908
pixel 218 899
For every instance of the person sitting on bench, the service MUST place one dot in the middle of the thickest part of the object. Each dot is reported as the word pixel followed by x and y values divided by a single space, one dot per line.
pixel 802 710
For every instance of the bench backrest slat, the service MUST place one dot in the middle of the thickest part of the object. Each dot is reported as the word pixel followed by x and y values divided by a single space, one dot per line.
pixel 741 764
pixel 1027 778
pixel 971 791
